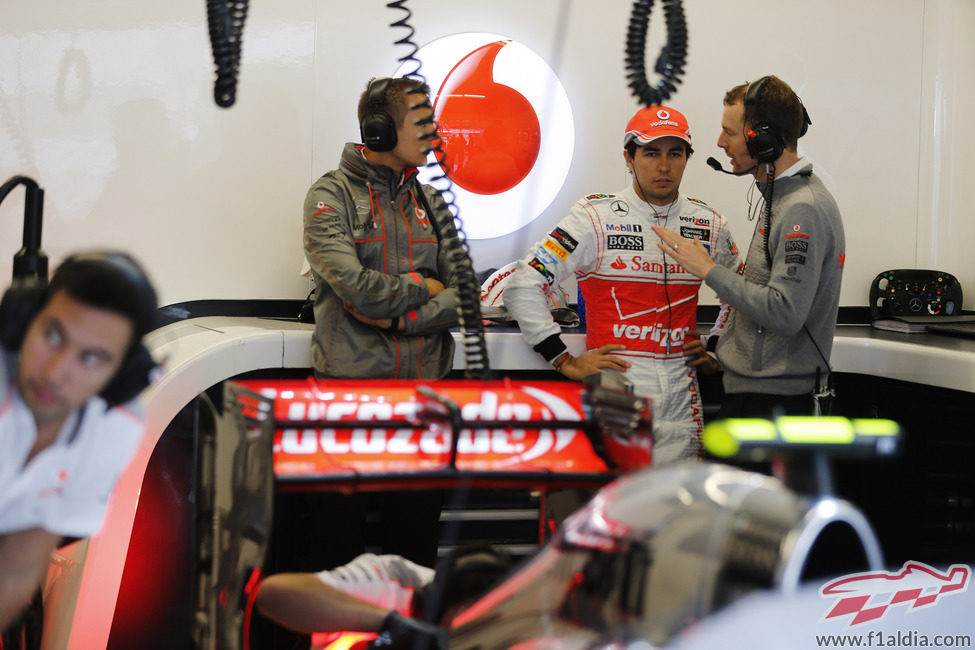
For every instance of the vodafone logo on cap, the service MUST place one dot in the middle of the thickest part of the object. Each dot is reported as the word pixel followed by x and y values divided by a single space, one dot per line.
pixel 506 125
pixel 663 114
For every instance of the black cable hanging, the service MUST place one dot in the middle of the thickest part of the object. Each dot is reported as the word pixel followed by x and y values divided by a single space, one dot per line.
pixel 30 262
pixel 452 234
pixel 673 55
pixel 226 22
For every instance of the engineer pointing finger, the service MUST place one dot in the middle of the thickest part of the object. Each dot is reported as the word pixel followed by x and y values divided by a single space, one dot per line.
pixel 780 330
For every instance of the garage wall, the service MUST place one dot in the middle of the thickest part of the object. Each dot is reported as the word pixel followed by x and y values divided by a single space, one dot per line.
pixel 109 107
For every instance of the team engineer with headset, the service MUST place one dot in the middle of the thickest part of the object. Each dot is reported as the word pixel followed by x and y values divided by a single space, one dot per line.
pixel 72 364
pixel 779 335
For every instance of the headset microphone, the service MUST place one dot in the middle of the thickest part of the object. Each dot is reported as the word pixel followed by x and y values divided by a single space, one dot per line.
pixel 716 166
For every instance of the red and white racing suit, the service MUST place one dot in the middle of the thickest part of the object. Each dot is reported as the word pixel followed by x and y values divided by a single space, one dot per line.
pixel 634 295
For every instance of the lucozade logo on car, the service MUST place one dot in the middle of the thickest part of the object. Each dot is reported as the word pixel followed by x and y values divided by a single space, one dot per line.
pixel 506 128
pixel 377 427
pixel 508 440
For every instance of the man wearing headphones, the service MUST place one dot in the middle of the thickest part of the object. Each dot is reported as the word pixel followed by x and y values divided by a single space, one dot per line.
pixel 384 295
pixel 71 365
pixel 402 602
pixel 641 305
pixel 780 332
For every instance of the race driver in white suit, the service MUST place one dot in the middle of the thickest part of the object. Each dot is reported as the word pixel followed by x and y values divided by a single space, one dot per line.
pixel 640 304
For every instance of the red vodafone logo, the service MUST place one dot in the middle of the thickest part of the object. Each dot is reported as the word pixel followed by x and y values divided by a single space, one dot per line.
pixel 506 128
pixel 490 131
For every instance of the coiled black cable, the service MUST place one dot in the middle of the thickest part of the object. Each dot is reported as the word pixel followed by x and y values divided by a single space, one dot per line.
pixel 451 232
pixel 673 55
pixel 770 190
pixel 226 22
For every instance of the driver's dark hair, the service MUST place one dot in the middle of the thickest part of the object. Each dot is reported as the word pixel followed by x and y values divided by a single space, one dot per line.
pixel 112 281
pixel 632 145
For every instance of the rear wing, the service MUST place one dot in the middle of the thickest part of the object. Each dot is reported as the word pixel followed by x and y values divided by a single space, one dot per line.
pixel 382 435
pixel 377 434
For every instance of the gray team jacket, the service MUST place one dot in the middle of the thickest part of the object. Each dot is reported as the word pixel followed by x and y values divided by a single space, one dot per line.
pixel 370 243
pixel 764 347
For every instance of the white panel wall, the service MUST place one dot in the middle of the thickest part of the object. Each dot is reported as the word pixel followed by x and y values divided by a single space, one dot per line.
pixel 946 165
pixel 108 105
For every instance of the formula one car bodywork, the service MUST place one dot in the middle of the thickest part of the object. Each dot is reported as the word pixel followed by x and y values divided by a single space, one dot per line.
pixel 676 543
pixel 390 435
pixel 651 553
pixel 658 550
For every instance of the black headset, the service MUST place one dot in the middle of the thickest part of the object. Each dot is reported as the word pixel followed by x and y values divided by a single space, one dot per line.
pixel 378 128
pixel 27 296
pixel 765 144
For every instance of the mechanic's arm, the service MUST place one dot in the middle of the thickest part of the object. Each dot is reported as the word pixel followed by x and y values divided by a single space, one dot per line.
pixel 698 348
pixel 331 252
pixel 437 314
pixel 303 603
pixel 782 304
pixel 443 309
pixel 24 556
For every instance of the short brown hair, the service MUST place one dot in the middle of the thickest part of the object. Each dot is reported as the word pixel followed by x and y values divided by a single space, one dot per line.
pixel 778 106
pixel 402 94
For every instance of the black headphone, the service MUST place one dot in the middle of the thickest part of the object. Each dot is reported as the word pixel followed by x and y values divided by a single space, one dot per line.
pixel 378 129
pixel 764 142
pixel 27 296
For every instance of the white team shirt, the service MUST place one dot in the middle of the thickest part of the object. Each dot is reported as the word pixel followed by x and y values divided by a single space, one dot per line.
pixel 65 488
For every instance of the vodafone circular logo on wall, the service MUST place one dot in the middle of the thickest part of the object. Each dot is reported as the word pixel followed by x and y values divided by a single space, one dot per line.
pixel 506 126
